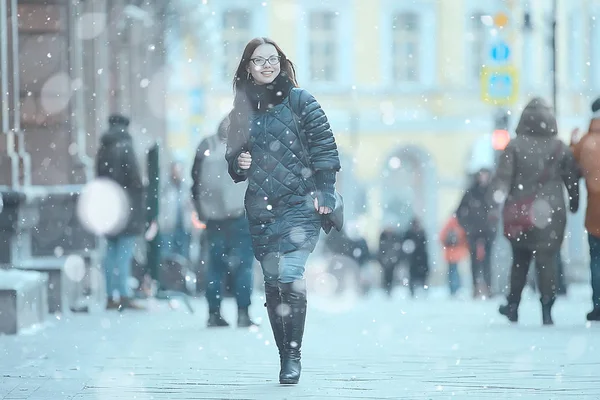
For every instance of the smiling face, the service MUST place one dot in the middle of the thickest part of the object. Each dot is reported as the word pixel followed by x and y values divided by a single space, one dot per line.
pixel 264 64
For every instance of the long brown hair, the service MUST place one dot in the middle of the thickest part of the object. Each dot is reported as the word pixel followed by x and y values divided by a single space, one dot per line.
pixel 241 78
pixel 238 131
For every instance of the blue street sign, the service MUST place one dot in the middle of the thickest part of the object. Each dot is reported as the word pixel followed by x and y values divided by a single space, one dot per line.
pixel 500 85
pixel 500 52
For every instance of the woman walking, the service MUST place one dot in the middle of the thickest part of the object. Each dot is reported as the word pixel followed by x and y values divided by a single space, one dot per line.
pixel 530 176
pixel 281 142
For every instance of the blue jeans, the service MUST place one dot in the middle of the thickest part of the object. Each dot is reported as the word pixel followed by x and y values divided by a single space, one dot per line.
pixel 177 242
pixel 453 278
pixel 284 268
pixel 117 265
pixel 230 251
pixel 594 242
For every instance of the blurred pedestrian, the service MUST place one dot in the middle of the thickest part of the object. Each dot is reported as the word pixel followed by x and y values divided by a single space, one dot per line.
pixel 587 154
pixel 530 177
pixel 415 244
pixel 116 160
pixel 456 249
pixel 353 247
pixel 220 205
pixel 474 215
pixel 391 255
pixel 281 142
pixel 175 219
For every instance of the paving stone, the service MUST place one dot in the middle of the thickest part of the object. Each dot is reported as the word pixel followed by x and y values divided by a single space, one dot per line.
pixel 371 348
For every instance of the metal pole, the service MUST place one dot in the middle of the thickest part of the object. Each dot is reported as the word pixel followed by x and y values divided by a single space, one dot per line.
pixel 4 87
pixel 554 61
pixel 22 149
pixel 78 119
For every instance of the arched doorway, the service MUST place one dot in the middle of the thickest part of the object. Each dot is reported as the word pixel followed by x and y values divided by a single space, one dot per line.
pixel 409 189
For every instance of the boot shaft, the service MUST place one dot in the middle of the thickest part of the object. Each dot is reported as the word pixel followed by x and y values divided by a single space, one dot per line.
pixel 547 304
pixel 273 304
pixel 293 297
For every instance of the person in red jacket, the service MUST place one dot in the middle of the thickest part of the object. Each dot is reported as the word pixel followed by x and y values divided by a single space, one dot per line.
pixel 456 249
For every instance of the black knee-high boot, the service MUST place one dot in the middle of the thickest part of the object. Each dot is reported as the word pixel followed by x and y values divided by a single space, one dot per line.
pixel 547 303
pixel 294 299
pixel 273 304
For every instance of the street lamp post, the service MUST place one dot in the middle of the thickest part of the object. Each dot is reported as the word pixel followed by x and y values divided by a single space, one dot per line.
pixel 554 61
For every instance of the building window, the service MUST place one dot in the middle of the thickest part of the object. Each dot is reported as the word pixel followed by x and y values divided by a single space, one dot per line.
pixel 406 28
pixel 477 40
pixel 237 29
pixel 548 47
pixel 593 62
pixel 323 45
pixel 573 60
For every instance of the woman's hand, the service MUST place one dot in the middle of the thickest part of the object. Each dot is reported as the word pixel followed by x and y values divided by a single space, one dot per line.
pixel 321 210
pixel 244 160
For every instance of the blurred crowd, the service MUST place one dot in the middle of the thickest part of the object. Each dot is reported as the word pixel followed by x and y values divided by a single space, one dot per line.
pixel 525 198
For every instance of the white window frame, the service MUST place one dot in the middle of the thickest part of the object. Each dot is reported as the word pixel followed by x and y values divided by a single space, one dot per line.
pixel 472 7
pixel 258 27
pixel 528 63
pixel 594 56
pixel 428 31
pixel 574 33
pixel 344 10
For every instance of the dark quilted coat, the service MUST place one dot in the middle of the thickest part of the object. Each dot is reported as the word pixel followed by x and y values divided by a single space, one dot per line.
pixel 116 160
pixel 283 179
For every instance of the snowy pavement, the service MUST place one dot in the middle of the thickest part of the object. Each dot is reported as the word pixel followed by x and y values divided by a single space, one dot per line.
pixel 373 348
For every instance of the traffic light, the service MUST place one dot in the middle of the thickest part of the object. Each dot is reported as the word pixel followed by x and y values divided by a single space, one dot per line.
pixel 501 134
pixel 500 139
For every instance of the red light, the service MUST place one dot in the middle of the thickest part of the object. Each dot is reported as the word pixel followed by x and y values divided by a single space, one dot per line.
pixel 500 139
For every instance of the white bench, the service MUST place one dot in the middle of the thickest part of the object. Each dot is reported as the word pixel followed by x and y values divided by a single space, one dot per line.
pixel 59 286
pixel 23 299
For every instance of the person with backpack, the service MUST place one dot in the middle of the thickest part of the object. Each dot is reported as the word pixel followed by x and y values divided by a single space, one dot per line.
pixel 456 249
pixel 532 173
pixel 219 203
pixel 116 161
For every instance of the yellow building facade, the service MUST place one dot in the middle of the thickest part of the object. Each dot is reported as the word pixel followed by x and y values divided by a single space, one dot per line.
pixel 400 82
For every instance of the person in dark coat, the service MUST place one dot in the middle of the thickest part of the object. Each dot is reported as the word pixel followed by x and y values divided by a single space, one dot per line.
pixel 390 255
pixel 116 161
pixel 415 244
pixel 355 248
pixel 532 173
pixel 280 141
pixel 475 216
pixel 219 203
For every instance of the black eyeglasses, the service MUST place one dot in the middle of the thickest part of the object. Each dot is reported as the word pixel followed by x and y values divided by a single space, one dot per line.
pixel 260 62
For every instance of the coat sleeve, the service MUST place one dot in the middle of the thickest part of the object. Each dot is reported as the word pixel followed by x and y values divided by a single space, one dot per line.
pixel 126 154
pixel 235 172
pixel 502 182
pixel 322 148
pixel 196 174
pixel 235 147
pixel 132 180
pixel 462 212
pixel 570 174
